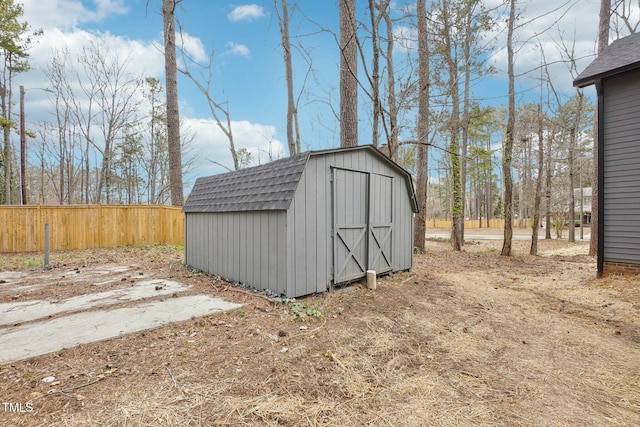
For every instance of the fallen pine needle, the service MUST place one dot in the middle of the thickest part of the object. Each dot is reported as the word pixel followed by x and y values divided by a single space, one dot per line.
pixel 338 361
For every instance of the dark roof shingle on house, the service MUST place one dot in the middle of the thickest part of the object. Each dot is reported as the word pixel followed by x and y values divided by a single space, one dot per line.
pixel 266 187
pixel 620 56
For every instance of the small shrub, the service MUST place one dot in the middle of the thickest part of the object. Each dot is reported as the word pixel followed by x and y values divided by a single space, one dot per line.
pixel 559 223
pixel 302 311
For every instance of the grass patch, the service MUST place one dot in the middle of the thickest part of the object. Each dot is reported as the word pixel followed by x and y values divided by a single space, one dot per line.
pixel 32 262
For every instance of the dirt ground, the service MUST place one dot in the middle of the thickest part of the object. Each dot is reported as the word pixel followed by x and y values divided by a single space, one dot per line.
pixel 464 339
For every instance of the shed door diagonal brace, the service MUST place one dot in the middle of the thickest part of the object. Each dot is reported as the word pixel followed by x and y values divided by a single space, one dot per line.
pixel 381 237
pixel 354 254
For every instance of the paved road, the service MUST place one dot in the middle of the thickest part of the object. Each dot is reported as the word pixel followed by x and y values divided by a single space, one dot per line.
pixel 471 236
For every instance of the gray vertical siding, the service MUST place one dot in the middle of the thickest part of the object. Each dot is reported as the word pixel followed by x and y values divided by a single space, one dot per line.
pixel 310 219
pixel 247 247
pixel 292 252
pixel 309 266
pixel 621 172
pixel 381 223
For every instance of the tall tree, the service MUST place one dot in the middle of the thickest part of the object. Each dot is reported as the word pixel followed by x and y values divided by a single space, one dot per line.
pixel 173 112
pixel 507 151
pixel 293 134
pixel 14 42
pixel 393 141
pixel 548 185
pixel 348 75
pixel 63 138
pixel 604 23
pixel 129 150
pixel 375 72
pixel 423 127
pixel 457 214
pixel 474 19
pixel 155 161
pixel 535 226
pixel 115 91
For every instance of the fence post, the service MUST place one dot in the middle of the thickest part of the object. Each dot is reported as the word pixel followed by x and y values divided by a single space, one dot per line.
pixel 46 245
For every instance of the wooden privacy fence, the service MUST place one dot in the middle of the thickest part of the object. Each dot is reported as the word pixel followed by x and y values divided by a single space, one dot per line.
pixel 89 226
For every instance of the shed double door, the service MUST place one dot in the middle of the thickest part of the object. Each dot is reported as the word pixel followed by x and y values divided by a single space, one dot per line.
pixel 362 224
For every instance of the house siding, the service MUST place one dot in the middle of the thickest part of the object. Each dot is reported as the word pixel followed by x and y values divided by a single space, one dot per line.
pixel 621 173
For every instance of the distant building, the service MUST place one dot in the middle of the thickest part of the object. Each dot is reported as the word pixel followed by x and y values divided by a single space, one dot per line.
pixel 586 203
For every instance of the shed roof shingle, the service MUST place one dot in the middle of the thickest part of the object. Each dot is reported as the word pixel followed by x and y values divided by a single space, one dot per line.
pixel 266 187
pixel 620 56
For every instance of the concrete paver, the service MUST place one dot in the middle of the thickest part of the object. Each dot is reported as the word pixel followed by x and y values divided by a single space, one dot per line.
pixel 50 335
pixel 25 311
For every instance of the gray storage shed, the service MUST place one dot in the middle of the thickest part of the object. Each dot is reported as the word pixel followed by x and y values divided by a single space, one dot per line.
pixel 299 225
pixel 616 76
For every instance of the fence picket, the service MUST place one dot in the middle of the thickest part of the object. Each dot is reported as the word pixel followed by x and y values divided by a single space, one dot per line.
pixel 89 226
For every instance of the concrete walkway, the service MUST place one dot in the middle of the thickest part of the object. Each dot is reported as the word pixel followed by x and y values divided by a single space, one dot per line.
pixel 47 336
pixel 25 311
pixel 34 327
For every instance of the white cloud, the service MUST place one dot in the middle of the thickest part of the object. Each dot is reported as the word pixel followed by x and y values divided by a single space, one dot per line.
pixel 579 22
pixel 193 46
pixel 238 49
pixel 247 12
pixel 142 59
pixel 69 13
pixel 211 145
pixel 61 20
pixel 405 38
pixel 145 57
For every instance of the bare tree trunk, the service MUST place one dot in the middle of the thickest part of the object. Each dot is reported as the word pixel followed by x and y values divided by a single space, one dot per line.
pixel 375 74
pixel 348 75
pixel 23 150
pixel 549 172
pixel 87 172
pixel 293 138
pixel 603 42
pixel 392 143
pixel 508 144
pixel 465 109
pixel 423 128
pixel 489 196
pixel 173 113
pixel 536 204
pixel 457 214
pixel 62 145
pixel 572 197
pixel 6 113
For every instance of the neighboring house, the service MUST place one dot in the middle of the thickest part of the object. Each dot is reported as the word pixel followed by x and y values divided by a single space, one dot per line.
pixel 586 203
pixel 616 76
pixel 302 224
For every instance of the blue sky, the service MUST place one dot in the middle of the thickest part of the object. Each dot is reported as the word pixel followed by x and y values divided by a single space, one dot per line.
pixel 248 66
